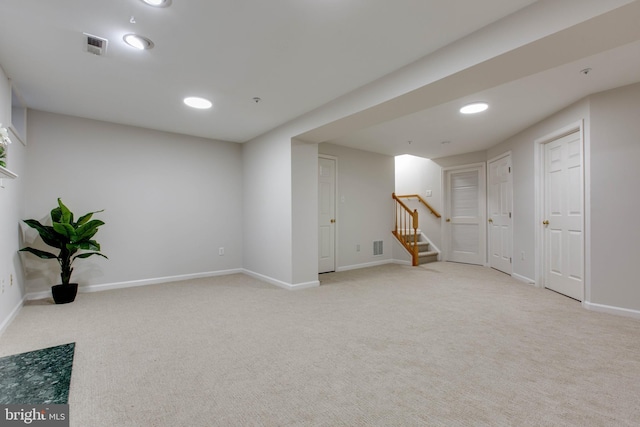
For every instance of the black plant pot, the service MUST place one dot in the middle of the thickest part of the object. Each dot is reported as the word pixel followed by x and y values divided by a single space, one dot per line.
pixel 63 294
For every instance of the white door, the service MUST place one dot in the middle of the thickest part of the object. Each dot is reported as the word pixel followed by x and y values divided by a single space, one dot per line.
pixel 326 214
pixel 500 190
pixel 465 207
pixel 563 216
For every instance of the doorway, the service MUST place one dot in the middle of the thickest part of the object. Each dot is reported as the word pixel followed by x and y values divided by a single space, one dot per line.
pixel 500 209
pixel 465 205
pixel 327 167
pixel 562 214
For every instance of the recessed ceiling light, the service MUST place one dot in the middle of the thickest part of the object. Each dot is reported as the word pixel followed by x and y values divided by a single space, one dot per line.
pixel 137 41
pixel 476 107
pixel 197 102
pixel 158 3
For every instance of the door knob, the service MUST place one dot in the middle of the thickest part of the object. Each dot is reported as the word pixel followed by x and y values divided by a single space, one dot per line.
pixel 448 219
pixel 333 220
pixel 491 220
pixel 545 222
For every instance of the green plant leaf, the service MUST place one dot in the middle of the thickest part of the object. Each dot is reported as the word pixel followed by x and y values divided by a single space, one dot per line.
pixel 88 254
pixel 65 229
pixel 86 217
pixel 88 245
pixel 39 253
pixel 56 215
pixel 88 230
pixel 67 216
pixel 46 232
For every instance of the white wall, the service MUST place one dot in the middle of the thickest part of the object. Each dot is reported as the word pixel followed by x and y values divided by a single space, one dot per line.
pixel 170 200
pixel 268 201
pixel 615 200
pixel 364 207
pixel 11 210
pixel 304 167
pixel 267 212
pixel 522 147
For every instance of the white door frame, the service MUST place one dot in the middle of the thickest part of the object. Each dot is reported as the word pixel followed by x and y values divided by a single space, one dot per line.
pixel 445 230
pixel 539 168
pixel 335 204
pixel 505 154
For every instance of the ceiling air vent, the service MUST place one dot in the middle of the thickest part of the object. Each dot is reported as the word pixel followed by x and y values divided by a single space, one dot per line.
pixel 94 44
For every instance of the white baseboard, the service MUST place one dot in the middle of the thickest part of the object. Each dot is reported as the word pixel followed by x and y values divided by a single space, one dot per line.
pixel 523 279
pixel 627 312
pixel 365 265
pixel 38 295
pixel 402 262
pixel 280 283
pixel 7 321
pixel 156 281
pixel 135 283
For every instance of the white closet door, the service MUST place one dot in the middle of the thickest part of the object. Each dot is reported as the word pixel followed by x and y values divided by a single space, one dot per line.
pixel 500 194
pixel 326 214
pixel 464 225
pixel 564 218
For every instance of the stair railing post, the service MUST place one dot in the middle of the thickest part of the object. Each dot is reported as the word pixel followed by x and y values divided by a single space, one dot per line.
pixel 415 237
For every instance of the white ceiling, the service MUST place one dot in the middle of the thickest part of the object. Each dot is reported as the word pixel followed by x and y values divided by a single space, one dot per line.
pixel 296 55
pixel 514 106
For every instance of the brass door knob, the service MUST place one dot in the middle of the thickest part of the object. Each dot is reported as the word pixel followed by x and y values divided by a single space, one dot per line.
pixel 333 220
pixel 448 219
pixel 545 222
pixel 491 220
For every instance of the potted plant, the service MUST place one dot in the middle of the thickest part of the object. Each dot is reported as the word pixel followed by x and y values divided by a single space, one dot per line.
pixel 69 237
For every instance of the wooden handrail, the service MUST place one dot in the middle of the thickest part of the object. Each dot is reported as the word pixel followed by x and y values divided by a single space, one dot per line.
pixel 407 220
pixel 423 201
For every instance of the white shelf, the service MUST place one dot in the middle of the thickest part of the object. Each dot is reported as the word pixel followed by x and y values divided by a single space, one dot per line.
pixel 6 173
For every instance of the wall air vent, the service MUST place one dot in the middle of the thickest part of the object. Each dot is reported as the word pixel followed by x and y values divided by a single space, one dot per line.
pixel 94 44
pixel 377 247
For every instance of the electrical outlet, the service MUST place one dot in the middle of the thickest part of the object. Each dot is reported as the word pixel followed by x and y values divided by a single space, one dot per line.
pixel 357 248
pixel 221 251
pixel 428 193
pixel 10 280
pixel 522 255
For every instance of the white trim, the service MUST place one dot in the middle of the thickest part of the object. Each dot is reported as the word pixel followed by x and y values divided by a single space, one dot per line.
pixel 280 283
pixel 523 279
pixel 627 312
pixel 38 295
pixel 7 321
pixel 136 283
pixel 367 264
pixel 156 281
pixel 498 157
pixel 539 203
pixel 586 203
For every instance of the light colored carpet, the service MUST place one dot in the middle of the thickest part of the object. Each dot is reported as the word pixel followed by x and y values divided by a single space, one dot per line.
pixel 436 345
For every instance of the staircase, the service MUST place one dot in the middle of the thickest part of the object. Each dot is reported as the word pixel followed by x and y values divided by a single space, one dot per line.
pixel 426 254
pixel 407 232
